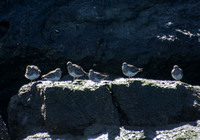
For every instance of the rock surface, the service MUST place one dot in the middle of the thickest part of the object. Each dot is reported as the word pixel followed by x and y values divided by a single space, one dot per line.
pixel 182 131
pixel 3 130
pixel 155 103
pixel 76 107
pixel 153 34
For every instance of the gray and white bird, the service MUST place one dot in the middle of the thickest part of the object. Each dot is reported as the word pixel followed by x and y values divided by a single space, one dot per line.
pixel 177 73
pixel 32 72
pixel 130 70
pixel 75 70
pixel 54 75
pixel 96 76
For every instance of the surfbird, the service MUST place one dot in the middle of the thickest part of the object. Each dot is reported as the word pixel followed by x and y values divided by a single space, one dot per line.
pixel 177 73
pixel 130 70
pixel 96 76
pixel 75 70
pixel 32 72
pixel 54 75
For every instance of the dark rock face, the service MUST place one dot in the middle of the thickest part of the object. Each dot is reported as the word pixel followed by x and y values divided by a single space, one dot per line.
pixel 155 103
pixel 72 111
pixel 26 109
pixel 153 34
pixel 3 130
pixel 60 109
pixel 150 33
pixel 67 107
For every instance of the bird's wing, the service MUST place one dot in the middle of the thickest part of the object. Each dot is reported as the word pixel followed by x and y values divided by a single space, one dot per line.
pixel 177 71
pixel 132 68
pixel 79 70
pixel 100 76
pixel 48 75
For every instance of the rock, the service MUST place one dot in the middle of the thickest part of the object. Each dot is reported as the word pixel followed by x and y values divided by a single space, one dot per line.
pixel 45 135
pixel 72 111
pixel 65 107
pixel 189 131
pixel 25 112
pixel 100 35
pixel 3 130
pixel 83 108
pixel 155 103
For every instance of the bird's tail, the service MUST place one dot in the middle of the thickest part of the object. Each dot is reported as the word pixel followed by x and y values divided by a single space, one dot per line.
pixel 85 73
pixel 105 76
pixel 42 77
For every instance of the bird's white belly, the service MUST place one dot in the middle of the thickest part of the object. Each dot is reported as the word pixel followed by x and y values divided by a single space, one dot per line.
pixel 129 73
pixel 52 79
pixel 73 74
pixel 32 77
pixel 96 80
pixel 178 77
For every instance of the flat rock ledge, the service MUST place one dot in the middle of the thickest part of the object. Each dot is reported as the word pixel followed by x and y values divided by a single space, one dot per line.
pixel 182 131
pixel 86 109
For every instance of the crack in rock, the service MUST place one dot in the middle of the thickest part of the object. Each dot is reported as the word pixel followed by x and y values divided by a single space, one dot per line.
pixel 123 118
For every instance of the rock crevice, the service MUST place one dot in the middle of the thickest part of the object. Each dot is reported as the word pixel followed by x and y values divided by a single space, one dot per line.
pixel 123 119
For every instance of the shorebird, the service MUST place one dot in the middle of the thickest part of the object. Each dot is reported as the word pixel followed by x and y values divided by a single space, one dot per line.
pixel 96 76
pixel 130 70
pixel 177 73
pixel 75 71
pixel 54 75
pixel 32 72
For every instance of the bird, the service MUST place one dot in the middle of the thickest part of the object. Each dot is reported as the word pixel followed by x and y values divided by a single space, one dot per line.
pixel 96 76
pixel 54 75
pixel 177 73
pixel 75 70
pixel 130 70
pixel 32 72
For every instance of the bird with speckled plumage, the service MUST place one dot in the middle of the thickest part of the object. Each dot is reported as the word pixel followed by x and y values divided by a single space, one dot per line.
pixel 54 75
pixel 130 70
pixel 177 73
pixel 32 72
pixel 96 76
pixel 75 70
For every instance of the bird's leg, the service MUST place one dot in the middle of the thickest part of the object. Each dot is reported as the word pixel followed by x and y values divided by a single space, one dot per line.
pixel 95 84
pixel 31 81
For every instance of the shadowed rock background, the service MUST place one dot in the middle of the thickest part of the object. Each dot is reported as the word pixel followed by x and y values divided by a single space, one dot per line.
pixel 101 35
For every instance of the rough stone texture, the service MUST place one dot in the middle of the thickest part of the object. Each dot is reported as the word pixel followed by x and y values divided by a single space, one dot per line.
pixel 98 34
pixel 153 103
pixel 78 107
pixel 60 108
pixel 68 110
pixel 3 130
pixel 101 32
pixel 25 113
pixel 182 131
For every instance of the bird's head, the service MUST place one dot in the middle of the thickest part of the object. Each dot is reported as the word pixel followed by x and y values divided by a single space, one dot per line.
pixel 69 63
pixel 176 66
pixel 58 70
pixel 124 64
pixel 91 71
